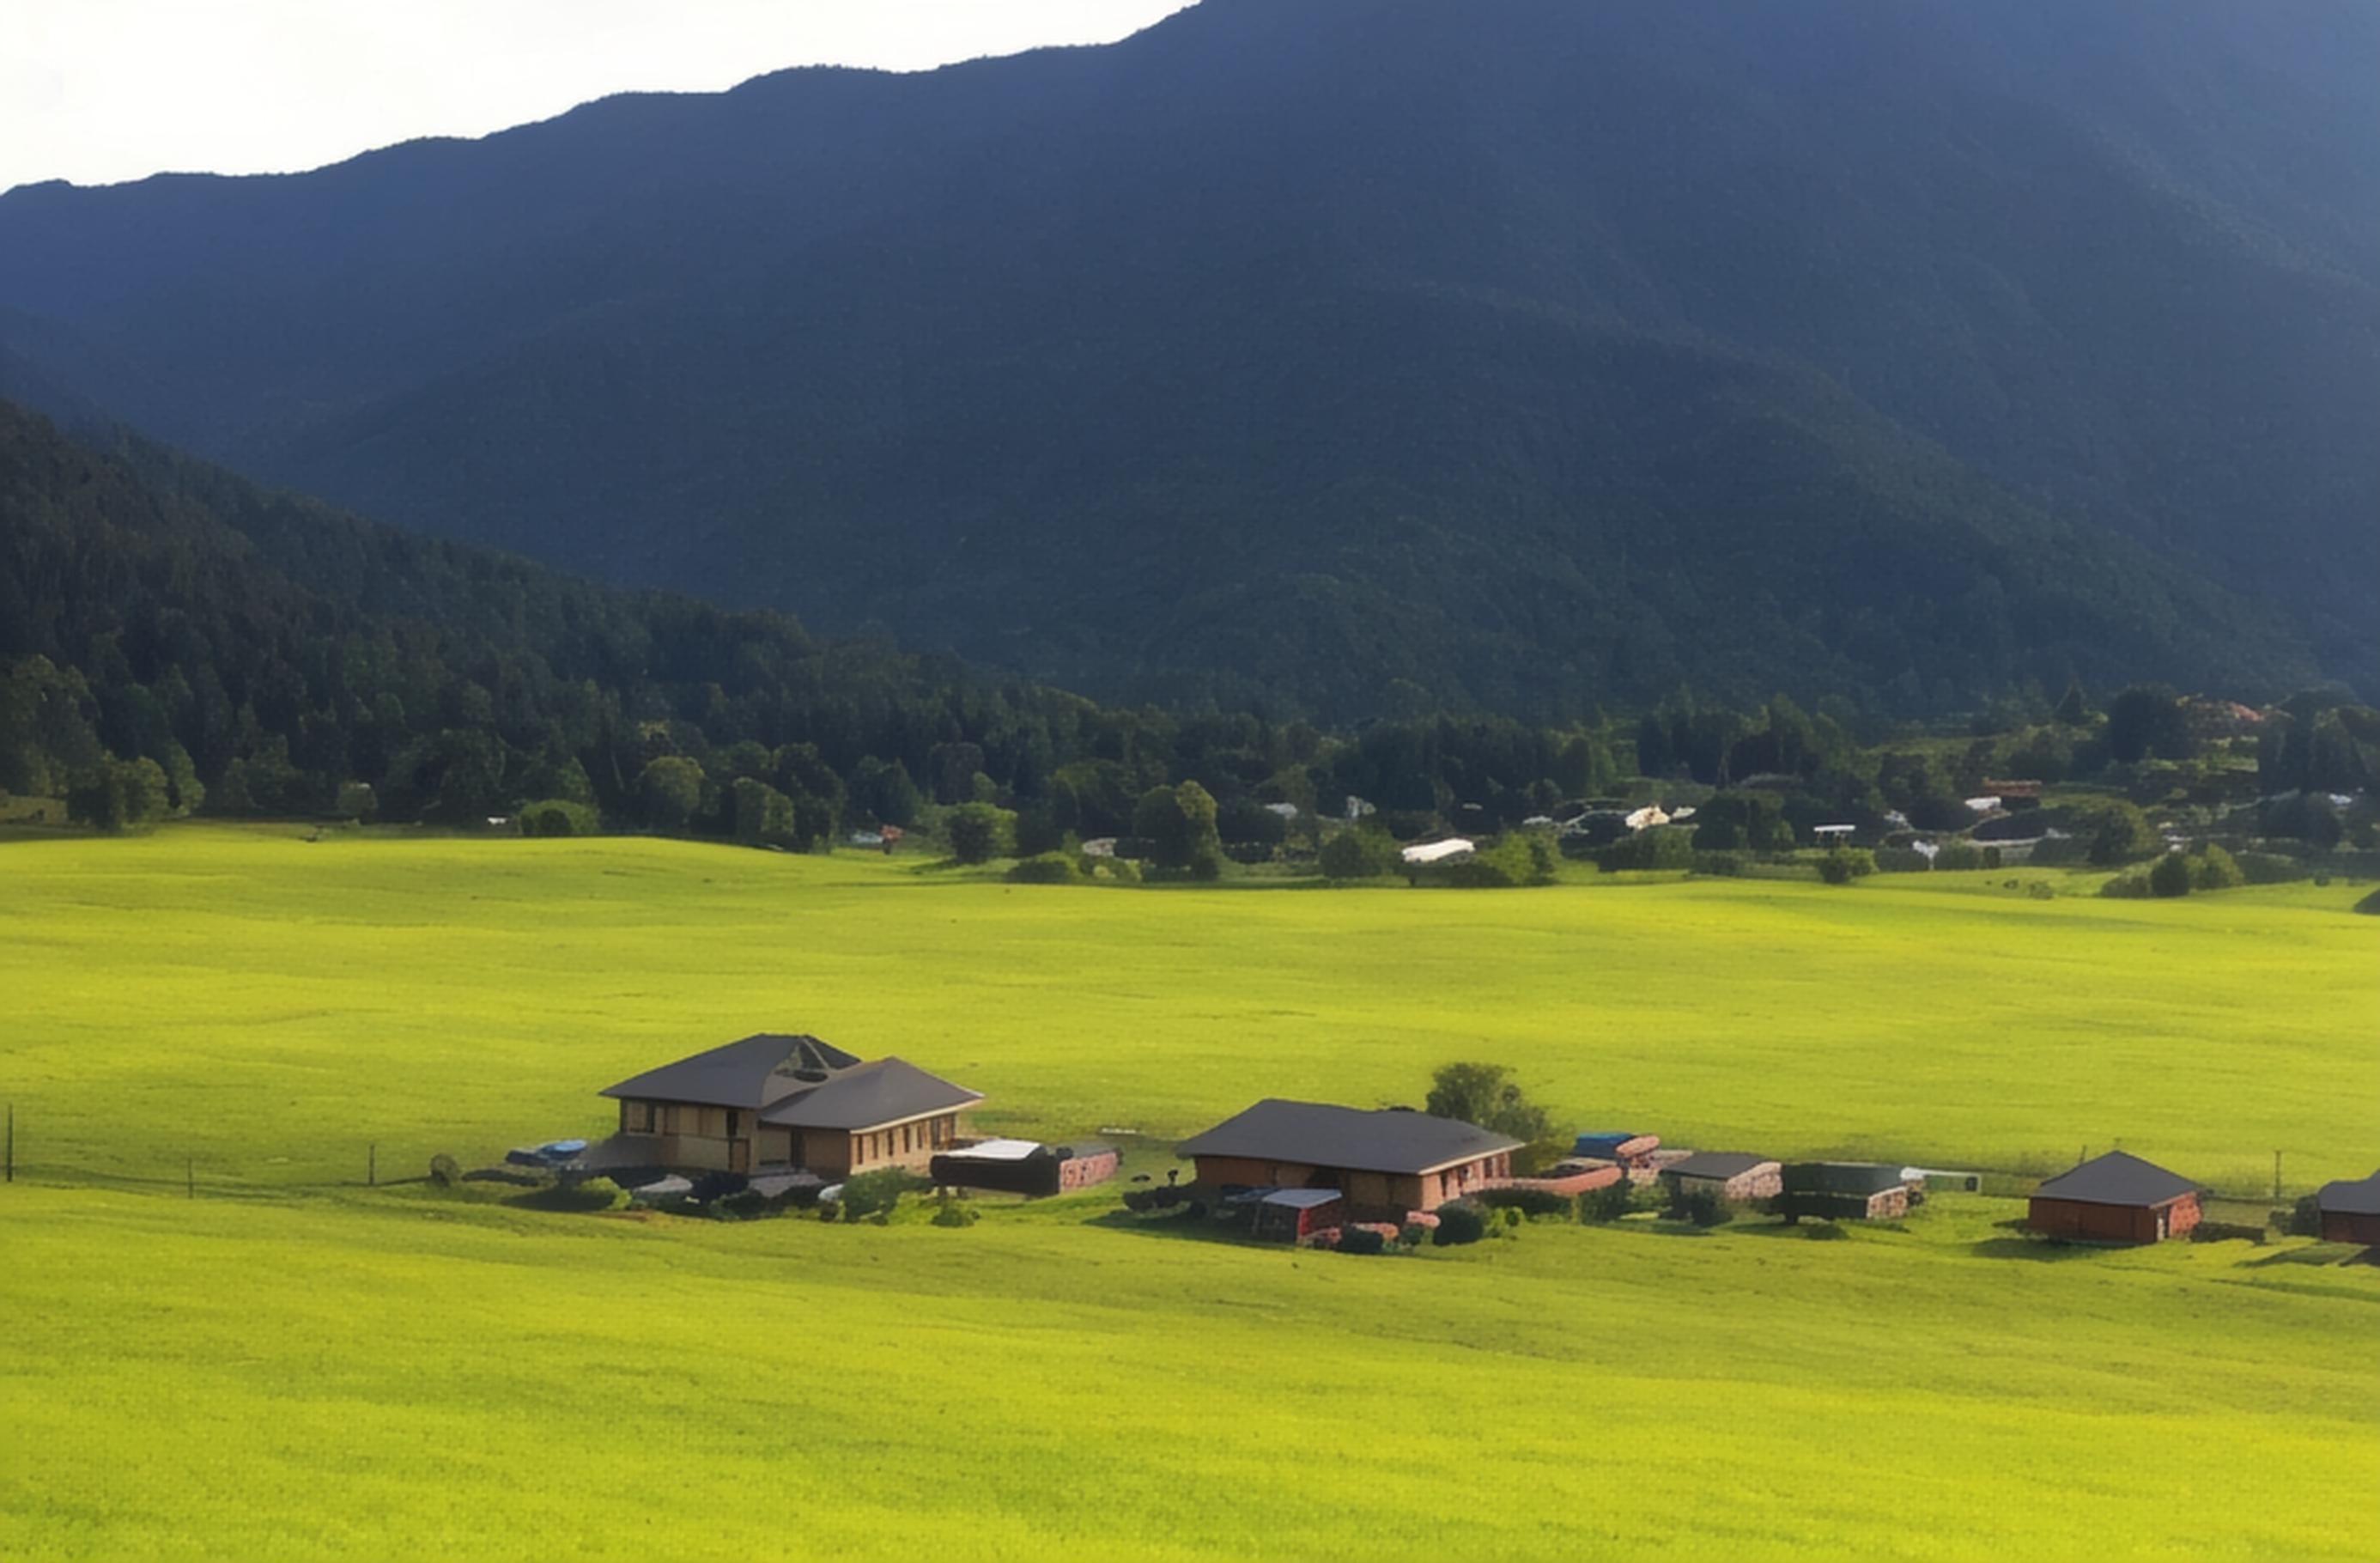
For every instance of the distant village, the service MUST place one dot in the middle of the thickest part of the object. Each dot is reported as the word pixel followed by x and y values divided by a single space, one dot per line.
pixel 791 1122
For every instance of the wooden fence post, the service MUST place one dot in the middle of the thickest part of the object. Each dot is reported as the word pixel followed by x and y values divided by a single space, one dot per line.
pixel 372 1165
pixel 191 1178
pixel 12 1142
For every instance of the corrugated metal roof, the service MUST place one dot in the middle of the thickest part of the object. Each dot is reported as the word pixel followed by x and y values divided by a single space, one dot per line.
pixel 2118 1178
pixel 2351 1196
pixel 1317 1134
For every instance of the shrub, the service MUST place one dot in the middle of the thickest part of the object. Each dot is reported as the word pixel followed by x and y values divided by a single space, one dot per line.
pixel 2040 891
pixel 559 816
pixel 2132 886
pixel 1958 857
pixel 1826 1231
pixel 1412 1233
pixel 1663 846
pixel 1361 1240
pixel 1607 1203
pixel 2305 1217
pixel 444 1171
pixel 1119 871
pixel 952 1213
pixel 742 1205
pixel 1528 1201
pixel 2269 868
pixel 1358 853
pixel 1458 1224
pixel 2170 875
pixel 2215 869
pixel 1722 865
pixel 1902 859
pixel 1048 868
pixel 1702 1207
pixel 979 832
pixel 877 1193
pixel 1843 864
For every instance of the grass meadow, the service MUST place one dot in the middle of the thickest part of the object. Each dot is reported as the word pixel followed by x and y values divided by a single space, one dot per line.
pixel 292 1366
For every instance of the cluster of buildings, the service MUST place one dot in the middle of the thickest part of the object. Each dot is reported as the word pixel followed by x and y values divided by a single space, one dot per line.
pixel 783 1111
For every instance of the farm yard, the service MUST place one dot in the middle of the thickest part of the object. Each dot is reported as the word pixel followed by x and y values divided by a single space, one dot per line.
pixel 291 1364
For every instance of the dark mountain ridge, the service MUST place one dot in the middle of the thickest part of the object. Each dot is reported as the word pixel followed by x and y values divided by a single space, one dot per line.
pixel 1534 353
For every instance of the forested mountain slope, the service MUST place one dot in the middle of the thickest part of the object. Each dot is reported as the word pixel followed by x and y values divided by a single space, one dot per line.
pixel 1533 352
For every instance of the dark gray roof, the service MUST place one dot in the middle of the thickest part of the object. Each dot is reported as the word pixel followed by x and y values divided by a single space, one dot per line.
pixel 2351 1196
pixel 2118 1178
pixel 1721 1165
pixel 888 1091
pixel 1841 1178
pixel 749 1074
pixel 1316 1134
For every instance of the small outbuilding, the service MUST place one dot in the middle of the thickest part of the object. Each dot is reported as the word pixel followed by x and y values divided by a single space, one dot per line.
pixel 2350 1210
pixel 1735 1176
pixel 1024 1167
pixel 2117 1198
pixel 1844 1192
pixel 1630 1151
pixel 1298 1215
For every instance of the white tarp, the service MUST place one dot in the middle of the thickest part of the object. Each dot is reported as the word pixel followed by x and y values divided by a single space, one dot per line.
pixel 1438 851
pixel 997 1150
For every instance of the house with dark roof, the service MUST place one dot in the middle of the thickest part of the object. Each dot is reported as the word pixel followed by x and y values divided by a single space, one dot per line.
pixel 2350 1210
pixel 772 1101
pixel 1842 1192
pixel 1390 1160
pixel 1737 1177
pixel 2117 1198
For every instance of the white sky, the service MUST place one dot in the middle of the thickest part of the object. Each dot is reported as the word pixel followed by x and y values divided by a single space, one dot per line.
pixel 98 90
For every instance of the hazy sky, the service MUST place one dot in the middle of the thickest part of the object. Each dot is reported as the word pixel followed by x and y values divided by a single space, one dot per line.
pixel 96 91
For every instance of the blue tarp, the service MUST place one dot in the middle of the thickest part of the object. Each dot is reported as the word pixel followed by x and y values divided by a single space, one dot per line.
pixel 1603 1146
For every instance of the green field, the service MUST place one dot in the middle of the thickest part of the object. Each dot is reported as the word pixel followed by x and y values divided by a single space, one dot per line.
pixel 292 1365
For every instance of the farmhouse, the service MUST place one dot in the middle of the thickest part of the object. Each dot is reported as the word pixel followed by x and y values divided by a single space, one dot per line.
pixel 1730 1174
pixel 2350 1210
pixel 2117 1198
pixel 1845 1190
pixel 1390 1160
pixel 783 1102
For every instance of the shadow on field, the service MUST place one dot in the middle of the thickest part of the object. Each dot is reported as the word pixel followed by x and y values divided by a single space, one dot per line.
pixel 2038 1249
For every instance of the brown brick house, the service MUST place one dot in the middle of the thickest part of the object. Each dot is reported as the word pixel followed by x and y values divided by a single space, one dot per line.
pixel 2117 1198
pixel 784 1100
pixel 1388 1161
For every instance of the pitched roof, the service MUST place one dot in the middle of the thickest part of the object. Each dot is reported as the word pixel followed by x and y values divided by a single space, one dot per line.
pixel 1317 1134
pixel 749 1074
pixel 2118 1178
pixel 2351 1196
pixel 887 1091
pixel 1721 1165
pixel 1841 1178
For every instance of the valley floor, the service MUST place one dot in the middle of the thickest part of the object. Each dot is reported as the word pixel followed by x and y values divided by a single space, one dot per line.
pixel 292 1366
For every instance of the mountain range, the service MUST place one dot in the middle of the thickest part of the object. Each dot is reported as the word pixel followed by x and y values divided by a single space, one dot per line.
pixel 1330 354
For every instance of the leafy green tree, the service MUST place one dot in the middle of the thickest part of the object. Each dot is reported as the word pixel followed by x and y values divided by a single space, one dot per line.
pixel 1486 1095
pixel 979 832
pixel 2170 875
pixel 559 816
pixel 668 790
pixel 1178 823
pixel 119 795
pixel 2119 833
pixel 2073 708
pixel 1840 865
pixel 2213 869
pixel 760 813
pixel 2145 719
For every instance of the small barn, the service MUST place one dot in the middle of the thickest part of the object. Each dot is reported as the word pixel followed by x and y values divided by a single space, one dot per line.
pixel 1024 1167
pixel 1735 1176
pixel 1844 1192
pixel 1298 1215
pixel 2350 1210
pixel 2117 1198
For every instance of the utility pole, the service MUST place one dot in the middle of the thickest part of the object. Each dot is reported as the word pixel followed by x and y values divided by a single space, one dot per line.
pixel 372 1165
